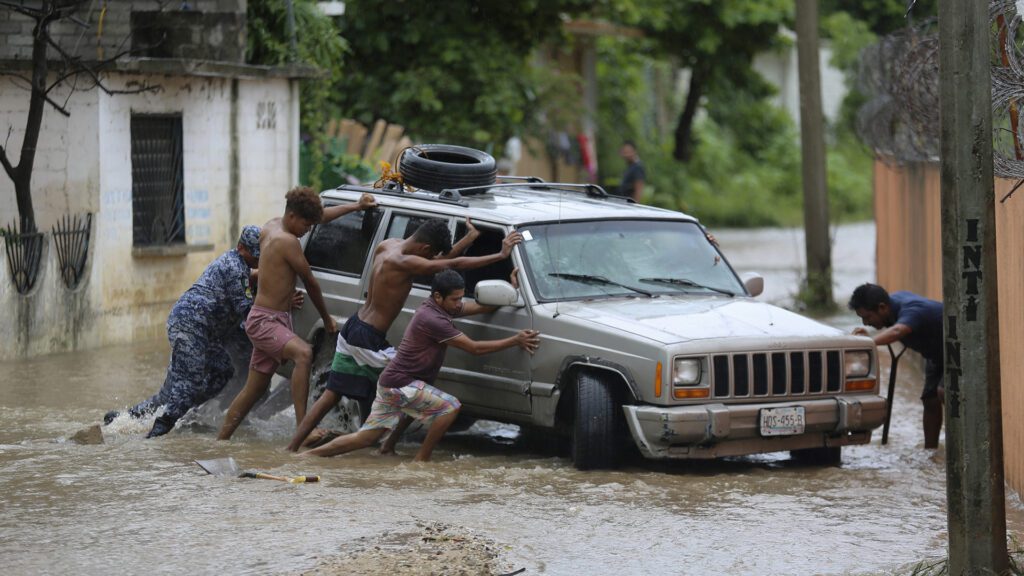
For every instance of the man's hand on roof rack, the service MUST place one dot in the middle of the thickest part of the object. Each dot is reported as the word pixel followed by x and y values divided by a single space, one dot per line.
pixel 510 241
pixel 367 201
pixel 471 232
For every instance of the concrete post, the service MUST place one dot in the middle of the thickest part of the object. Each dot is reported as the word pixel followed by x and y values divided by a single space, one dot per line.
pixel 812 144
pixel 974 443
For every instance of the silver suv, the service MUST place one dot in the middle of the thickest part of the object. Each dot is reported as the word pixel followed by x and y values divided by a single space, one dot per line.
pixel 648 336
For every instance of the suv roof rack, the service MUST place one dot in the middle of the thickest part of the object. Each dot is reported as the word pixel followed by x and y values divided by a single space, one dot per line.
pixel 591 190
pixel 531 179
pixel 391 189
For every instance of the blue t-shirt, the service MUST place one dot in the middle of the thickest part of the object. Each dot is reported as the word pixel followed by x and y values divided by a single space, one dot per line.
pixel 924 317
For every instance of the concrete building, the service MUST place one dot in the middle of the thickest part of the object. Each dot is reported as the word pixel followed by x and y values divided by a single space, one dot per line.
pixel 168 176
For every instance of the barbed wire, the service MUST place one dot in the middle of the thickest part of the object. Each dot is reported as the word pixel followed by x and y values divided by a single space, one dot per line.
pixel 900 76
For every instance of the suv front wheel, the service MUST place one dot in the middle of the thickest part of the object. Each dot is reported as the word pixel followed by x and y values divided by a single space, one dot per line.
pixel 599 424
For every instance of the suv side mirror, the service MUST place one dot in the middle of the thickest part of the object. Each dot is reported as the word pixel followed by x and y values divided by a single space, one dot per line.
pixel 497 293
pixel 754 283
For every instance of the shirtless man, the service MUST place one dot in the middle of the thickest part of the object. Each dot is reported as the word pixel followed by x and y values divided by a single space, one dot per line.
pixel 363 350
pixel 269 324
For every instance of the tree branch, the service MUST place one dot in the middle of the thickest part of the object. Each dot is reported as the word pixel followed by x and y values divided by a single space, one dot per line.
pixel 11 173
pixel 78 67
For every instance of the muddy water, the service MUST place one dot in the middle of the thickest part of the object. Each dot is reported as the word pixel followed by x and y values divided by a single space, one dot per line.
pixel 133 506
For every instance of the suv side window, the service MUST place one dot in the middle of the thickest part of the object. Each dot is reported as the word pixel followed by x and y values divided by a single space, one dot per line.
pixel 486 244
pixel 404 225
pixel 341 245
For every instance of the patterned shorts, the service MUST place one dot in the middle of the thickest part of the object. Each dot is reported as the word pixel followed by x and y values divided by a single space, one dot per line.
pixel 417 399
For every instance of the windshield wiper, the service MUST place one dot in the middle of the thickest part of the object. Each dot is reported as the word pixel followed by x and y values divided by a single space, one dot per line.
pixel 685 282
pixel 590 279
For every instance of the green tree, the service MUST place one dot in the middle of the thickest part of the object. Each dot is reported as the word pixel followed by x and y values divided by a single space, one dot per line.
pixel 456 72
pixel 881 16
pixel 717 41
pixel 318 44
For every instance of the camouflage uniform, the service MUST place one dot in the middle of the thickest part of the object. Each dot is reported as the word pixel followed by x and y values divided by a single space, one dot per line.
pixel 206 317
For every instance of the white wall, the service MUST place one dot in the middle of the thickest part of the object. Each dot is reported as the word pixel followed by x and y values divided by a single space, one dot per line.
pixel 780 68
pixel 84 164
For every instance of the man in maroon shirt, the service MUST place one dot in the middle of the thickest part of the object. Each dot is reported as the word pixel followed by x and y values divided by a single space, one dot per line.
pixel 405 385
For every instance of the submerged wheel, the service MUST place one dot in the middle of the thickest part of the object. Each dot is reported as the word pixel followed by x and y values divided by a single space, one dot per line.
pixel 597 435
pixel 348 414
pixel 436 167
pixel 824 456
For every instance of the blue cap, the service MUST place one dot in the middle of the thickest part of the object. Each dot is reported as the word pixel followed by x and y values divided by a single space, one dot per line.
pixel 250 238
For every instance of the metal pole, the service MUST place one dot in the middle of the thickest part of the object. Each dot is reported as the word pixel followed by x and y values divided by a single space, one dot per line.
pixel 812 144
pixel 292 50
pixel 974 443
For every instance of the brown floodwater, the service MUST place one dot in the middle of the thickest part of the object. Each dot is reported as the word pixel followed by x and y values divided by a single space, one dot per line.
pixel 137 506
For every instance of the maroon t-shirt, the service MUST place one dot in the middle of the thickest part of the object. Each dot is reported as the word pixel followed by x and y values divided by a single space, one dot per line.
pixel 422 350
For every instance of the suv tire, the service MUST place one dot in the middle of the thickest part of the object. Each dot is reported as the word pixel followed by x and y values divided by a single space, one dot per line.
pixel 436 167
pixel 599 424
pixel 824 456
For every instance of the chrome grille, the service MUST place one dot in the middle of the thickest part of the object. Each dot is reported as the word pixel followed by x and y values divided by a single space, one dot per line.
pixel 770 374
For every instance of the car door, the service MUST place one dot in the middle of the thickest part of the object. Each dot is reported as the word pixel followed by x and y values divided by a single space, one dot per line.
pixel 497 382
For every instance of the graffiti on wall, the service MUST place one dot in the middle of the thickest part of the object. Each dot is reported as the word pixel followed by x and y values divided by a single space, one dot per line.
pixel 266 115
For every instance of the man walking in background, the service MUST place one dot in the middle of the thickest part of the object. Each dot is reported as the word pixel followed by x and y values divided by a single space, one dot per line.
pixel 633 179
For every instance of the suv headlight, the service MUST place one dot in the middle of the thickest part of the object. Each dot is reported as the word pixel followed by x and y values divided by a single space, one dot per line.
pixel 857 363
pixel 686 371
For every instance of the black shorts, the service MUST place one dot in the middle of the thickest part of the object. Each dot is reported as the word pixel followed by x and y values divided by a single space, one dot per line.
pixel 357 383
pixel 932 379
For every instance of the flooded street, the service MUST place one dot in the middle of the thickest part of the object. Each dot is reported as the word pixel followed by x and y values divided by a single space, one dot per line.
pixel 134 506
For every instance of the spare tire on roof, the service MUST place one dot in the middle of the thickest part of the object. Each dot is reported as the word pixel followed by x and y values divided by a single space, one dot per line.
pixel 436 167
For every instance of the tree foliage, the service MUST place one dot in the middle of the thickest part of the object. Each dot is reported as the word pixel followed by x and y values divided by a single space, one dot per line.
pixel 456 72
pixel 717 41
pixel 52 66
pixel 317 43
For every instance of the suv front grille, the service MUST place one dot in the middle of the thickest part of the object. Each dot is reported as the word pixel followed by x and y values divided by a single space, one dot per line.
pixel 770 374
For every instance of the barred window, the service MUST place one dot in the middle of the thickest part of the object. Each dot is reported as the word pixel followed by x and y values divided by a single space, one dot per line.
pixel 158 188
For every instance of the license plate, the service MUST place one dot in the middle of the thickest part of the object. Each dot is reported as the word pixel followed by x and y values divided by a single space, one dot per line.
pixel 784 421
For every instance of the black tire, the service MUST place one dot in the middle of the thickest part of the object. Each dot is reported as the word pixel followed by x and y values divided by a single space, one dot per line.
pixel 597 435
pixel 436 167
pixel 824 456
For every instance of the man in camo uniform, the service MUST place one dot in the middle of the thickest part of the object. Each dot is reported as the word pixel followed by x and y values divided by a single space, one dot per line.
pixel 206 317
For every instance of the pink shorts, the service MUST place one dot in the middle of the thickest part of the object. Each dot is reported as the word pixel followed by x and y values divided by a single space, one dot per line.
pixel 269 330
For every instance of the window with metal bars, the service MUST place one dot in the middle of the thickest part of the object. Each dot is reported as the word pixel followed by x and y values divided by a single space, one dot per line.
pixel 158 188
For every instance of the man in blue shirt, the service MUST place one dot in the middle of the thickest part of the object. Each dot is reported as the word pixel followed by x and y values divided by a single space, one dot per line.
pixel 915 321
pixel 206 317
pixel 632 185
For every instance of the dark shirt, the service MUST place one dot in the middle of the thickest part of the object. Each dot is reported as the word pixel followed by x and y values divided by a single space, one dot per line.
pixel 218 301
pixel 423 347
pixel 633 173
pixel 924 317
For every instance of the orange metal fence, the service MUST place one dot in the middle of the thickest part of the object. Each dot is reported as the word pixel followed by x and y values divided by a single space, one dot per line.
pixel 909 257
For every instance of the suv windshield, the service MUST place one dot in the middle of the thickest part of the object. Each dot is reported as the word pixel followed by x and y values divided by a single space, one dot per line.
pixel 640 258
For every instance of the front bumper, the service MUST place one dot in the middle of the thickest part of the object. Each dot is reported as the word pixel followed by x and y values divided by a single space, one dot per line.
pixel 715 430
